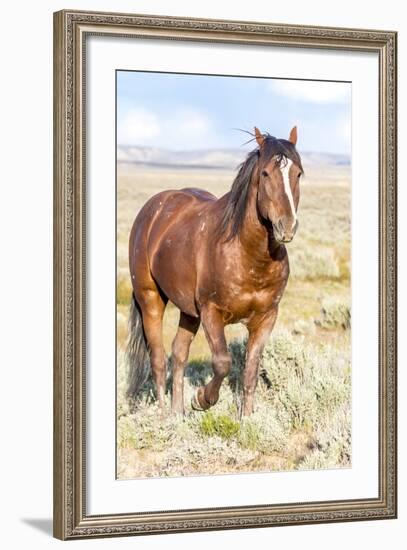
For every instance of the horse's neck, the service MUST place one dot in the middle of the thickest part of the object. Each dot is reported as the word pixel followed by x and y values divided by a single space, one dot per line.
pixel 254 237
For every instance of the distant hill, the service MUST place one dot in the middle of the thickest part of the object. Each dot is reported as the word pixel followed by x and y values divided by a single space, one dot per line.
pixel 208 158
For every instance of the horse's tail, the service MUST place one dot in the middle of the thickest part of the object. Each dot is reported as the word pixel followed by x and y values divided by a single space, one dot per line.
pixel 138 357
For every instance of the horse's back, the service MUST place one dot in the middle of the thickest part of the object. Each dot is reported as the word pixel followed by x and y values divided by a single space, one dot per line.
pixel 173 208
pixel 168 205
pixel 199 194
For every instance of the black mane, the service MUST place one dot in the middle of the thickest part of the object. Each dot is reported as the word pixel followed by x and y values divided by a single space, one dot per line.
pixel 235 210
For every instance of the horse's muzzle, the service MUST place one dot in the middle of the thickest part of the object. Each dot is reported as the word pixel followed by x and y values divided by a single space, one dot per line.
pixel 282 233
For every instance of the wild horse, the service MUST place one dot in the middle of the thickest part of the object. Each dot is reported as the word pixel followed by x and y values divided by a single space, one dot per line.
pixel 220 261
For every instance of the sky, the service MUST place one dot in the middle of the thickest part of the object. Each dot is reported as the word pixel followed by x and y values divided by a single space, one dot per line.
pixel 189 112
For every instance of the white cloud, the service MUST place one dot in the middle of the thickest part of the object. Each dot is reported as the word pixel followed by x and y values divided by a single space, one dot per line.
pixel 312 91
pixel 191 122
pixel 183 128
pixel 137 126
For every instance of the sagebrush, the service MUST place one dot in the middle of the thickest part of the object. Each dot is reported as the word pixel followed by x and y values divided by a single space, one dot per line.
pixel 300 392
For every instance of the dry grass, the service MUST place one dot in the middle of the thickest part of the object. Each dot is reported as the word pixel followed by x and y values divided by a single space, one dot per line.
pixel 302 417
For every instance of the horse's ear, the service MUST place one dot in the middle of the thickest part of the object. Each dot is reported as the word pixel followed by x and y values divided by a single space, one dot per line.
pixel 293 136
pixel 259 136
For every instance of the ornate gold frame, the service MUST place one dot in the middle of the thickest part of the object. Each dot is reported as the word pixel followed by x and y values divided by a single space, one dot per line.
pixel 70 31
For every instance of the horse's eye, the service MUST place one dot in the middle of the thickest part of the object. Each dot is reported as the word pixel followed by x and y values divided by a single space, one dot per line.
pixel 265 173
pixel 299 174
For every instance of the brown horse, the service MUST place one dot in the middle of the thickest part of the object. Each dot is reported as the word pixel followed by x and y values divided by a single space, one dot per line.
pixel 220 261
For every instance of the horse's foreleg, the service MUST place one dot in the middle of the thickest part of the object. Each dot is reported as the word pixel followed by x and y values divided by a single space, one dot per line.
pixel 213 325
pixel 187 329
pixel 259 331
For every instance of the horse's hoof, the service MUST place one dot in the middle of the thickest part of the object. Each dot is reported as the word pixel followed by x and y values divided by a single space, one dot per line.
pixel 195 404
pixel 199 401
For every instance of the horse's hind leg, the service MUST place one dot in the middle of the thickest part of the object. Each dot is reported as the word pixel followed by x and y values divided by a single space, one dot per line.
pixel 213 325
pixel 187 329
pixel 152 304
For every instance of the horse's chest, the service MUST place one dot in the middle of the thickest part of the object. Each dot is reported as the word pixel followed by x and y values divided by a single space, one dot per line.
pixel 247 301
pixel 243 291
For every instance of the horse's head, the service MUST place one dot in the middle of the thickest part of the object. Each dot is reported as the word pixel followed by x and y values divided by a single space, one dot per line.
pixel 280 169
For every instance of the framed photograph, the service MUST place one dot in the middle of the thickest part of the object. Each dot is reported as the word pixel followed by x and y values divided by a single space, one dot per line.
pixel 225 274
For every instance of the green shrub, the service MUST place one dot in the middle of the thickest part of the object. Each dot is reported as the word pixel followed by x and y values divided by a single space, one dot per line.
pixel 334 314
pixel 124 290
pixel 266 430
pixel 333 442
pixel 220 425
pixel 314 263
pixel 126 433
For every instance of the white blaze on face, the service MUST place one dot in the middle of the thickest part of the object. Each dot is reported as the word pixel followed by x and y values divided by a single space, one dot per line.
pixel 287 188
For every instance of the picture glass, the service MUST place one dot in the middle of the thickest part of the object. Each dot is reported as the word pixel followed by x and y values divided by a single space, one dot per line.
pixel 256 247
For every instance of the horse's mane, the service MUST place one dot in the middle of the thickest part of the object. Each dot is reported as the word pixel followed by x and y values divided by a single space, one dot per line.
pixel 234 213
